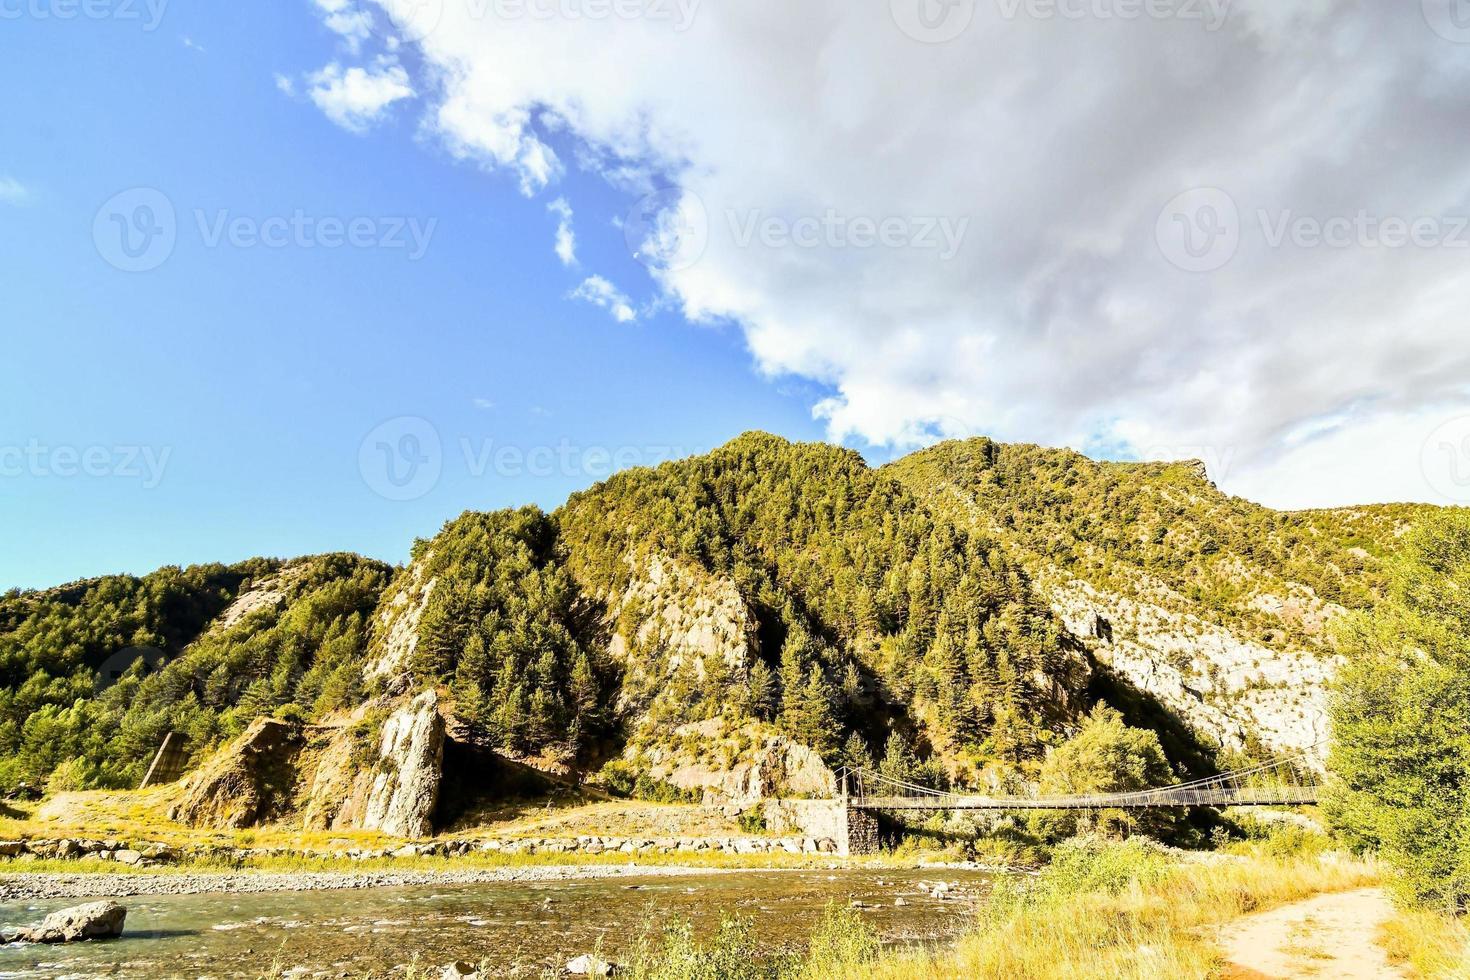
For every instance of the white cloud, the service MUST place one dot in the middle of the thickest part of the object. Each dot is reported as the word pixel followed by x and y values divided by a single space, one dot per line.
pixel 566 239
pixel 192 44
pixel 13 191
pixel 599 292
pixel 355 98
pixel 284 85
pixel 484 404
pixel 348 19
pixel 1061 139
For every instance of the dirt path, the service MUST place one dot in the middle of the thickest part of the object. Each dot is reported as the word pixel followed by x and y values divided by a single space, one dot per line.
pixel 1329 936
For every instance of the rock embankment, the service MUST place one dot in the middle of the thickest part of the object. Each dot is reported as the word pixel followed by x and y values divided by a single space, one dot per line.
pixel 32 887
pixel 144 854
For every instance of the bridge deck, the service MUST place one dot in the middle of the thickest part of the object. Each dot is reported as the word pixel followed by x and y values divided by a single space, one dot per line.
pixel 1223 797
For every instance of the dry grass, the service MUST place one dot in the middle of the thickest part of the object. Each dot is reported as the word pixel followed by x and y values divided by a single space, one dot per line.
pixel 1434 947
pixel 1155 924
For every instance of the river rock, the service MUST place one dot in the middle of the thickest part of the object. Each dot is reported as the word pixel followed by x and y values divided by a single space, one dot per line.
pixel 459 971
pixel 588 965
pixel 95 920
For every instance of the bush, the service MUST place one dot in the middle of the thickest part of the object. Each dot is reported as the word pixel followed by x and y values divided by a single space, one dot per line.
pixel 752 821
pixel 1400 714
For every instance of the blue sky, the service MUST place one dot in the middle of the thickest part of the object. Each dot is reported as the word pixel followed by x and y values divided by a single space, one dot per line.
pixel 259 371
pixel 870 226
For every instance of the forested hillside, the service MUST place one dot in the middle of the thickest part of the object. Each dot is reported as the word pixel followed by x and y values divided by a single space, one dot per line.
pixel 1216 606
pixel 969 605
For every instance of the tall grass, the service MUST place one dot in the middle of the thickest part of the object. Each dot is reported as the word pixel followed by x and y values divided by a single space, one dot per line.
pixel 1123 911
pixel 1435 947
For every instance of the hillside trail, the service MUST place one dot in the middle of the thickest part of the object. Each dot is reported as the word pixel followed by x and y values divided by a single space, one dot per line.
pixel 1328 936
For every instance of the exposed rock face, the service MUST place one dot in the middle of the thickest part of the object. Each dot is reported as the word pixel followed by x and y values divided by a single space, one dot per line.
pixel 95 920
pixel 398 792
pixel 245 783
pixel 686 613
pixel 769 765
pixel 1222 685
pixel 397 626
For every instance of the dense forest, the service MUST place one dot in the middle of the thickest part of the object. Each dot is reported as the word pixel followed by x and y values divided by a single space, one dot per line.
pixel 66 724
pixel 874 614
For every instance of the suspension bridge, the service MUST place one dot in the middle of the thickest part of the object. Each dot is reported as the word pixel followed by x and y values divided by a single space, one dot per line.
pixel 863 793
pixel 1286 781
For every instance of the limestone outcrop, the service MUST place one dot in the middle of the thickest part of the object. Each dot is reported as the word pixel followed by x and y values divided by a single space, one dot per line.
pixel 247 782
pixel 394 786
pixel 1226 687
pixel 740 766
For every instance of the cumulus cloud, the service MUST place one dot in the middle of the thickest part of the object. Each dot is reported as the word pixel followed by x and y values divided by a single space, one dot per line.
pixel 1087 302
pixel 355 98
pixel 599 292
pixel 566 239
pixel 352 21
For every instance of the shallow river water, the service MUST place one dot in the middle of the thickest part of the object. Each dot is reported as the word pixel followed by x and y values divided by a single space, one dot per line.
pixel 516 928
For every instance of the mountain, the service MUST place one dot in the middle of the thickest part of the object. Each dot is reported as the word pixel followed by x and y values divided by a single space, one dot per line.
pixel 728 625
pixel 1212 605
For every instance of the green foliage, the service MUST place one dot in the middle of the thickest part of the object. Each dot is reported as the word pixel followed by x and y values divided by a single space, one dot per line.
pixel 849 575
pixel 1120 524
pixel 752 821
pixel 1083 865
pixel 508 627
pixel 1401 718
pixel 55 709
pixel 1105 756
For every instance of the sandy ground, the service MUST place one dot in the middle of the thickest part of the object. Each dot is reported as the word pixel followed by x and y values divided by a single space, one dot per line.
pixel 1329 936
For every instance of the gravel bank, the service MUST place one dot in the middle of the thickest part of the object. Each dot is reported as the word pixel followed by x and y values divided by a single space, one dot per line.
pixel 42 886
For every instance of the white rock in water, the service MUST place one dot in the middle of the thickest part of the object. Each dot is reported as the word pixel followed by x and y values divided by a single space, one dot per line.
pixel 95 920
pixel 588 965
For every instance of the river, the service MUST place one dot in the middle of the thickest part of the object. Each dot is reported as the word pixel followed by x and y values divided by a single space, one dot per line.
pixel 514 929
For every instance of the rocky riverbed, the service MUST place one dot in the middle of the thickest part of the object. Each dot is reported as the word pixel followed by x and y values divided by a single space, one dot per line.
pixel 509 922
pixel 33 886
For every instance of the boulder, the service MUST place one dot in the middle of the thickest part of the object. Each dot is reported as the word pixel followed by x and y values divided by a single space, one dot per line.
pixel 588 965
pixel 246 782
pixel 95 920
